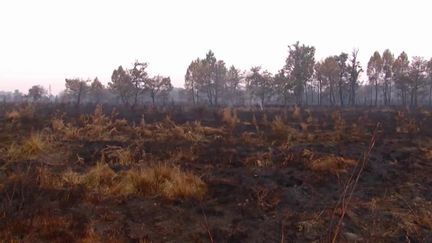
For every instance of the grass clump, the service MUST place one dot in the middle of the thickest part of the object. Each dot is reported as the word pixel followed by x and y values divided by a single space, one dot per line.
pixel 99 178
pixel 30 148
pixel 229 117
pixel 330 163
pixel 163 180
pixel 21 115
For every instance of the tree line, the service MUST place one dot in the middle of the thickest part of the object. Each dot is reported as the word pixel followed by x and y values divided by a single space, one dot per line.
pixel 333 81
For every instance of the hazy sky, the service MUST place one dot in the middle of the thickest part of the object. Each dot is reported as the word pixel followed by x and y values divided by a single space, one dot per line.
pixel 44 42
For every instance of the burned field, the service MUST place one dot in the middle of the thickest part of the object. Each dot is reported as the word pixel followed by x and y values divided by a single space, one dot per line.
pixel 215 175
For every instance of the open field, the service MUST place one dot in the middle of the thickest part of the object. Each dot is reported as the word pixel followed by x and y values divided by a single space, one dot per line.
pixel 215 175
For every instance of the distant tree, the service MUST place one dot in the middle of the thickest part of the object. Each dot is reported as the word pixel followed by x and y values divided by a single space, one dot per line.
pixel 233 84
pixel 299 65
pixel 220 73
pixel 121 85
pixel 260 84
pixel 354 69
pixel 429 78
pixel 374 71
pixel 139 77
pixel 194 76
pixel 17 96
pixel 417 78
pixel 343 76
pixel 206 76
pixel 387 65
pixel 157 85
pixel 37 92
pixel 214 74
pixel 96 90
pixel 401 76
pixel 283 86
pixel 77 88
pixel 208 85
pixel 327 74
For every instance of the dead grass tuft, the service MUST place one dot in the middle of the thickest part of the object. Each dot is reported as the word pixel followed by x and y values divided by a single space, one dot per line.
pixel 229 117
pixel 161 180
pixel 98 178
pixel 30 148
pixel 328 163
pixel 20 115
pixel 116 154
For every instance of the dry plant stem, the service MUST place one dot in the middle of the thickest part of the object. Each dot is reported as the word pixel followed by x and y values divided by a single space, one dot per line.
pixel 206 225
pixel 282 233
pixel 351 185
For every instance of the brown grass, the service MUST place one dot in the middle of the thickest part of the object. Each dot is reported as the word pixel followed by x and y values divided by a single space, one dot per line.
pixel 99 178
pixel 161 180
pixel 229 117
pixel 30 148
pixel 116 154
pixel 22 114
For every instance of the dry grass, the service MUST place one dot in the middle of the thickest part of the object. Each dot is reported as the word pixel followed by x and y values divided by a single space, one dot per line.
pixel 333 164
pixel 339 125
pixel 328 163
pixel 282 130
pixel 22 114
pixel 47 179
pixel 97 126
pixel 229 117
pixel 116 154
pixel 278 126
pixel 406 124
pixel 30 148
pixel 98 178
pixel 161 180
pixel 296 114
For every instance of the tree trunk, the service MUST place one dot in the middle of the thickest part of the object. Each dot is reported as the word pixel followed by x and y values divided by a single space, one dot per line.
pixel 79 95
pixel 430 95
pixel 376 93
pixel 390 93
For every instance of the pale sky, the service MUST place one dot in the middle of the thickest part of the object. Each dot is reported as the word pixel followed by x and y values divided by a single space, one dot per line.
pixel 45 41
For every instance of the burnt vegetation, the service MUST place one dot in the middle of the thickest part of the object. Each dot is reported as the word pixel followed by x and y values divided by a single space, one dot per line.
pixel 214 174
pixel 313 153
